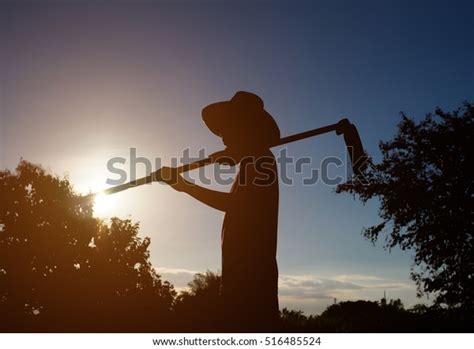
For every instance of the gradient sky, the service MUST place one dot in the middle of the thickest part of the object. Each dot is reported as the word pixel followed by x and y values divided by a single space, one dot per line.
pixel 82 82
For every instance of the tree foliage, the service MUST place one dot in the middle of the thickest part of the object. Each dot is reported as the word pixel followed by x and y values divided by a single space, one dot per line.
pixel 197 309
pixel 425 188
pixel 63 269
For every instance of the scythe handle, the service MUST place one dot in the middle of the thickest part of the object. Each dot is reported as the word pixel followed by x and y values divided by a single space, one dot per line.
pixel 338 127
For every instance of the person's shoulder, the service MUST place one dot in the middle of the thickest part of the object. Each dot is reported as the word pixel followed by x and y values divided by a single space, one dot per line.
pixel 267 155
pixel 265 158
pixel 261 170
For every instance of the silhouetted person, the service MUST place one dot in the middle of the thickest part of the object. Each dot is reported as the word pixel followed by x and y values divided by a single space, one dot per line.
pixel 249 289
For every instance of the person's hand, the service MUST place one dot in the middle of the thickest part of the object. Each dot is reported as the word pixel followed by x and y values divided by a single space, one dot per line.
pixel 171 177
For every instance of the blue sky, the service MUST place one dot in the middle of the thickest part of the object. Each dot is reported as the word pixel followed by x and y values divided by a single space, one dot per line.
pixel 82 82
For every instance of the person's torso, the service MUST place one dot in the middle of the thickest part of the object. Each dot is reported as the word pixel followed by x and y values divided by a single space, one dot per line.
pixel 249 232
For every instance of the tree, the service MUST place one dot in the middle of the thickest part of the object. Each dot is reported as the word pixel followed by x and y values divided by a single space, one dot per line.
pixel 425 188
pixel 197 309
pixel 365 316
pixel 61 269
pixel 293 320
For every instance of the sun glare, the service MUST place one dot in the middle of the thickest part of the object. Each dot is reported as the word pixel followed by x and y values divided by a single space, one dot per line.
pixel 103 205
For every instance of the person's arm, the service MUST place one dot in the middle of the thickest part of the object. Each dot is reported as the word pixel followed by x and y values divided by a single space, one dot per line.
pixel 216 199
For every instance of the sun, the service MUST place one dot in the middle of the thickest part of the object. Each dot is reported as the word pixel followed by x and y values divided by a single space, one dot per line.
pixel 103 205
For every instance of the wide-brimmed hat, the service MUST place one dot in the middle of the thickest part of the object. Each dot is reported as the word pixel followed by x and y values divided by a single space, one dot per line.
pixel 243 116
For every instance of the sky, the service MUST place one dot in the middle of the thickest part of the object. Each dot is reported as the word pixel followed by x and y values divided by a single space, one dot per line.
pixel 82 82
